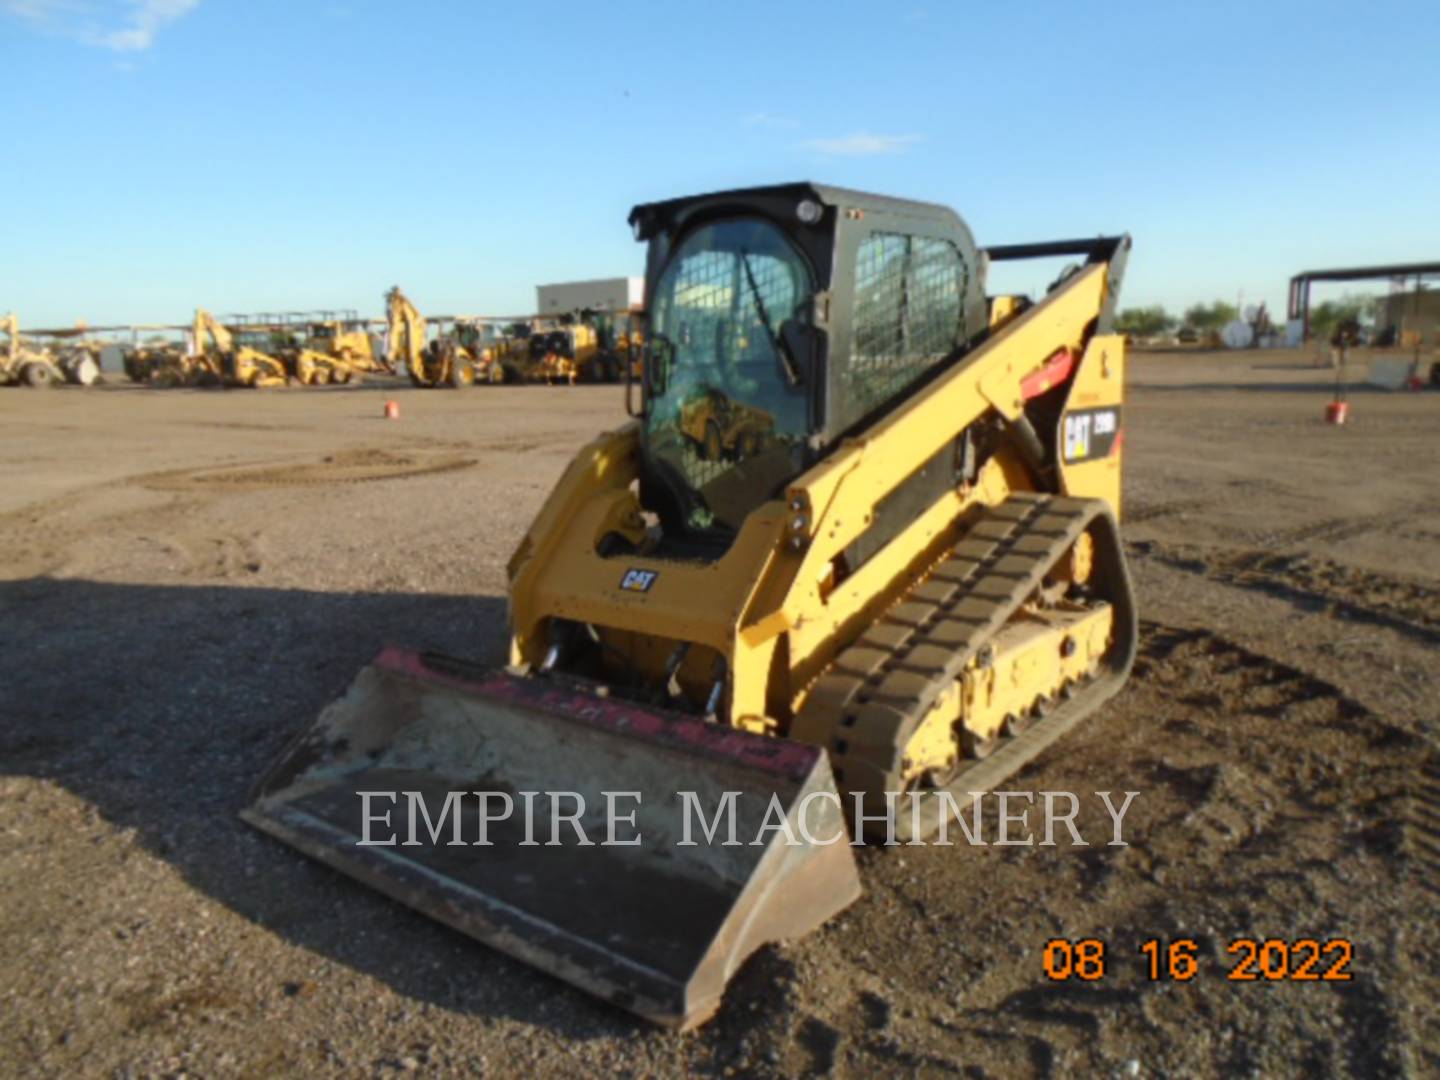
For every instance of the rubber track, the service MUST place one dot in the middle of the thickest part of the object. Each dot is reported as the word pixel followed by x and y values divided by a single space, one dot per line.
pixel 871 699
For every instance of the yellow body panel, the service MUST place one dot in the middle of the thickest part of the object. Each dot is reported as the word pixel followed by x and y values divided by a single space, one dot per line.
pixel 19 353
pixel 584 345
pixel 212 343
pixel 314 368
pixel 354 346
pixel 404 330
pixel 1003 309
pixel 1028 662
pixel 334 354
pixel 770 605
pixel 1097 390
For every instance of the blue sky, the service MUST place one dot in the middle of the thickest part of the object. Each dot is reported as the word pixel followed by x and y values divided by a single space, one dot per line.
pixel 255 155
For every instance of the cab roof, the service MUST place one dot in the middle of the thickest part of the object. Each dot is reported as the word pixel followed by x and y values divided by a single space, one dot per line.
pixel 650 218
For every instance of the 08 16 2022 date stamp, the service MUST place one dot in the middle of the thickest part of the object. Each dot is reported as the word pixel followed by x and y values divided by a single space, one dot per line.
pixel 1246 959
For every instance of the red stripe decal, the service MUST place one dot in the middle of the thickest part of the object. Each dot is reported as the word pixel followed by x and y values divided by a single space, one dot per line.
pixel 1056 371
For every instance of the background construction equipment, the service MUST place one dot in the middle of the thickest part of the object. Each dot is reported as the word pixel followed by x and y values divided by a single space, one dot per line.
pixel 219 356
pixel 25 363
pixel 443 362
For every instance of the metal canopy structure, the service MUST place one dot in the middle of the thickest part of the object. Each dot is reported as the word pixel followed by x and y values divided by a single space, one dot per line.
pixel 1299 305
pixel 79 331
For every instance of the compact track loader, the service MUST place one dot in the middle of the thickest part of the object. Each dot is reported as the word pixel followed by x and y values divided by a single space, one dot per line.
pixel 334 351
pixel 896 575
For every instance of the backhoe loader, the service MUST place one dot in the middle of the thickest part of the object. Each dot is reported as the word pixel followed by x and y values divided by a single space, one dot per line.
pixel 21 363
pixel 439 363
pixel 907 585
pixel 61 359
pixel 216 357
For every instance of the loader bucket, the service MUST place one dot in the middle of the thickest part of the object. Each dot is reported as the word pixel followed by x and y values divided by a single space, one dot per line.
pixel 657 926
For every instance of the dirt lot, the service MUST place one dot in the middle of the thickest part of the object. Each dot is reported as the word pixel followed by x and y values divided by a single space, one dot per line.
pixel 189 575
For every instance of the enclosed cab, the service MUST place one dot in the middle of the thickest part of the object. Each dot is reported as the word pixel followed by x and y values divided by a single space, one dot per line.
pixel 780 319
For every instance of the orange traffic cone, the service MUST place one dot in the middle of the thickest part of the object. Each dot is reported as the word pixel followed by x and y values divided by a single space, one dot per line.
pixel 1339 408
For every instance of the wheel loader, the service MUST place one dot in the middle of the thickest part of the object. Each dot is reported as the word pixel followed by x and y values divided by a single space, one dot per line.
pixel 737 666
pixel 497 355
pixel 592 347
pixel 573 354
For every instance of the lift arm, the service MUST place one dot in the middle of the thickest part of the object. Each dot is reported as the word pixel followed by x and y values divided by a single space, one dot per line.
pixel 206 326
pixel 404 330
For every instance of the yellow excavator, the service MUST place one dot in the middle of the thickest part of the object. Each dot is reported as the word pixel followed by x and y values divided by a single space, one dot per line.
pixel 724 667
pixel 216 357
pixel 444 362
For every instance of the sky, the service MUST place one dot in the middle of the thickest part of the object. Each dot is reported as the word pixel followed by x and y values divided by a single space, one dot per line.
pixel 262 155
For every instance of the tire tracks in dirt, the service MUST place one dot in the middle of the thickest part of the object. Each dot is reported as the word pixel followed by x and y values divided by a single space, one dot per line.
pixel 156 513
pixel 1273 795
pixel 343 467
pixel 1408 607
pixel 1269 796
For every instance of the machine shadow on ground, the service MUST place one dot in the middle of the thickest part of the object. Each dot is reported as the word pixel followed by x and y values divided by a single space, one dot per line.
pixel 160 706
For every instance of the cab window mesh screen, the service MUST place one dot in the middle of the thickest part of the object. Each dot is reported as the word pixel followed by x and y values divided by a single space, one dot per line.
pixel 908 315
pixel 723 423
pixel 716 313
pixel 717 304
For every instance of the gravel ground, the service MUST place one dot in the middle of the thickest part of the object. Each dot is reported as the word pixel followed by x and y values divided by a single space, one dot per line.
pixel 189 576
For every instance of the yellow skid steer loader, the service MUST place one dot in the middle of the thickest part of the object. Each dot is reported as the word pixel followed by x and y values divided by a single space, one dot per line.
pixel 731 656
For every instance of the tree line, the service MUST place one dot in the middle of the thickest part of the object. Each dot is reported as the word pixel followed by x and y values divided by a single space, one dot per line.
pixel 1155 321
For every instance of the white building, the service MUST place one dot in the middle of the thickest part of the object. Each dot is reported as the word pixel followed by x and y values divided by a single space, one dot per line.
pixel 603 294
